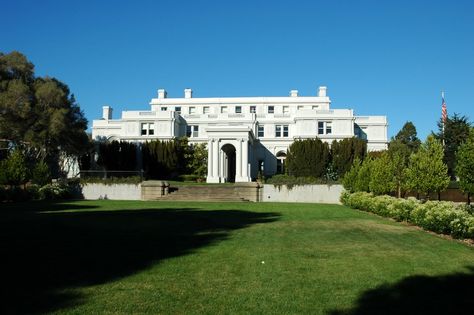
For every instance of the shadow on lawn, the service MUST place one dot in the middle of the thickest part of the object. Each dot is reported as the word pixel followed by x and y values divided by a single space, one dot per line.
pixel 45 253
pixel 448 294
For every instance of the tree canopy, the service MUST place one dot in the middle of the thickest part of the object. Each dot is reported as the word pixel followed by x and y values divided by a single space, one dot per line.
pixel 426 171
pixel 38 113
pixel 408 136
pixel 465 164
pixel 456 131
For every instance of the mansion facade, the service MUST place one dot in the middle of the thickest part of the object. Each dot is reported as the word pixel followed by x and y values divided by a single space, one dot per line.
pixel 244 135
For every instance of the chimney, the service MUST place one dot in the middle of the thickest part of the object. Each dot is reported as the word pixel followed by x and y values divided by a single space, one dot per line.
pixel 294 93
pixel 322 91
pixel 162 93
pixel 106 112
pixel 188 93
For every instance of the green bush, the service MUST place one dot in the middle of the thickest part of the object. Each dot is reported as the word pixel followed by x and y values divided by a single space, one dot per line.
pixel 291 181
pixel 41 175
pixel 401 209
pixel 54 191
pixel 111 180
pixel 437 216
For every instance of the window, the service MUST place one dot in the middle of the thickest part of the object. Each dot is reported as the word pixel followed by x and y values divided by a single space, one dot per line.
pixel 164 109
pixel 192 131
pixel 300 107
pixel 192 110
pixel 238 109
pixel 324 127
pixel 320 127
pixel 261 131
pixel 271 109
pixel 286 110
pixel 328 128
pixel 278 131
pixel 223 109
pixel 148 129
pixel 281 130
pixel 315 107
pixel 178 109
pixel 253 109
pixel 205 110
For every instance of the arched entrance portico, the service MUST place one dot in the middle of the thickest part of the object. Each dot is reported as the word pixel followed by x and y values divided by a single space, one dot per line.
pixel 229 154
pixel 228 162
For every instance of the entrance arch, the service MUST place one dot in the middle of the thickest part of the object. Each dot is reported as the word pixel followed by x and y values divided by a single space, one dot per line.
pixel 228 163
pixel 281 157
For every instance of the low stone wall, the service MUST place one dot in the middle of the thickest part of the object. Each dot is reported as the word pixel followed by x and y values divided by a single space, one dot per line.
pixel 113 192
pixel 303 193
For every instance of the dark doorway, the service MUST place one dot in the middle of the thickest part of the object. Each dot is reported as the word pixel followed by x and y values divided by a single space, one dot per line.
pixel 229 163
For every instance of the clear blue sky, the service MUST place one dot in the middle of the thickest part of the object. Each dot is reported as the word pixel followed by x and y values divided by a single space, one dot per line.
pixel 378 57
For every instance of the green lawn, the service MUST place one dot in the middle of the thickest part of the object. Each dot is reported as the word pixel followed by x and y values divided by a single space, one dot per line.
pixel 96 257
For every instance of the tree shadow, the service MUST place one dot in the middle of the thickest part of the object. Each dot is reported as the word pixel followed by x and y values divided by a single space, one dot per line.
pixel 447 294
pixel 45 253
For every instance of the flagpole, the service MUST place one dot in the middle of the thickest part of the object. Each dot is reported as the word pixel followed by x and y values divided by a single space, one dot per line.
pixel 442 116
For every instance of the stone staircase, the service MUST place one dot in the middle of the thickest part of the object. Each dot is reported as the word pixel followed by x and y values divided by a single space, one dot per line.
pixel 216 193
pixel 239 192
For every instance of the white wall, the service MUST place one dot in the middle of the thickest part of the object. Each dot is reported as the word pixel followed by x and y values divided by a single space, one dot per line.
pixel 113 192
pixel 305 193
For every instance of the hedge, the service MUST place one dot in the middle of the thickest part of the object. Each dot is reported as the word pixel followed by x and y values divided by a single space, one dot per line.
pixel 438 216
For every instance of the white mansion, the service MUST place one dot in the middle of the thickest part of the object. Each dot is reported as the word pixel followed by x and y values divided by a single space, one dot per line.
pixel 243 134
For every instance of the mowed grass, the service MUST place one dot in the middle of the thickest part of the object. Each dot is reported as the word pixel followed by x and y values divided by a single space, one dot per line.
pixel 111 257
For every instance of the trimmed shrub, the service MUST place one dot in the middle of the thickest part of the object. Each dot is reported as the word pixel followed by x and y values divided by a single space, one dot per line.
pixel 437 216
pixel 401 209
pixel 54 191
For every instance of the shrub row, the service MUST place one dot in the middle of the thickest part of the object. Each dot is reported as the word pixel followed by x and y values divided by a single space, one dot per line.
pixel 437 216
pixel 54 191
pixel 291 181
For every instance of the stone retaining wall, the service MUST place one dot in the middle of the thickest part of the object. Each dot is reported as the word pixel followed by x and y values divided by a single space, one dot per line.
pixel 113 192
pixel 303 193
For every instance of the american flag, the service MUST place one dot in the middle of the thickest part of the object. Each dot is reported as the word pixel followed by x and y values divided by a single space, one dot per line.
pixel 444 111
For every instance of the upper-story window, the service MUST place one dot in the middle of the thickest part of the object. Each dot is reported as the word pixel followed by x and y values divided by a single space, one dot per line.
pixel 300 107
pixel 286 110
pixel 223 109
pixel 164 108
pixel 281 131
pixel 205 110
pixel 271 109
pixel 324 127
pixel 238 109
pixel 315 107
pixel 192 131
pixel 148 129
pixel 261 131
pixel 192 110
pixel 178 109
pixel 253 109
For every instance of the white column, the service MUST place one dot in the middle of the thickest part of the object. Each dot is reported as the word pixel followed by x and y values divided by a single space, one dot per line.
pixel 210 159
pixel 238 160
pixel 245 160
pixel 213 164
